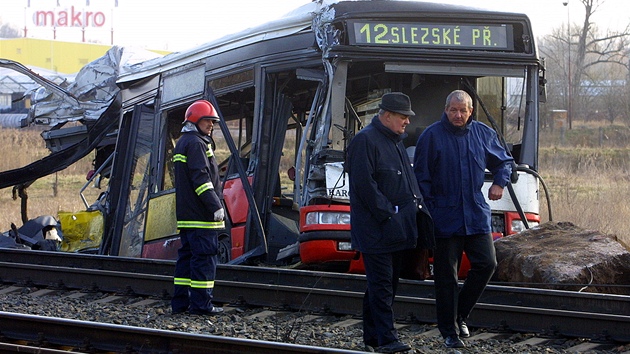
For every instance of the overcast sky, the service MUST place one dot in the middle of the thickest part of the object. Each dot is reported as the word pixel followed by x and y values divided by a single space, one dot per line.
pixel 182 24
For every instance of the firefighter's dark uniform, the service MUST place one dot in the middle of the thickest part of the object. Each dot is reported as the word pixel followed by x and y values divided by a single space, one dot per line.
pixel 198 196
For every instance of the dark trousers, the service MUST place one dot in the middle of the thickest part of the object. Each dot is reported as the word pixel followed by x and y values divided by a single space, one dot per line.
pixel 381 272
pixel 451 302
pixel 195 270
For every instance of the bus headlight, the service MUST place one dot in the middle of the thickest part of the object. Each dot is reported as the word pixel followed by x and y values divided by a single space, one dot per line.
pixel 498 222
pixel 344 246
pixel 518 225
pixel 328 217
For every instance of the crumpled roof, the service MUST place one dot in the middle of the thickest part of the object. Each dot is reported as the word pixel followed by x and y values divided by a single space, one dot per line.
pixel 94 88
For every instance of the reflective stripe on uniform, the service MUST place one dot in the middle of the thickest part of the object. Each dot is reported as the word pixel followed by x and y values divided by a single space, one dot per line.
pixel 204 187
pixel 181 281
pixel 209 152
pixel 201 224
pixel 180 158
pixel 202 284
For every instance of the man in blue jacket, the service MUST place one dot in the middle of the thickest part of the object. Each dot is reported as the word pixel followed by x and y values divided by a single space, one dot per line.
pixel 450 161
pixel 384 201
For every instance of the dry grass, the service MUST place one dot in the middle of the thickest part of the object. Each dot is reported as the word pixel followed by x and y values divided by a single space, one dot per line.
pixel 590 200
pixel 585 168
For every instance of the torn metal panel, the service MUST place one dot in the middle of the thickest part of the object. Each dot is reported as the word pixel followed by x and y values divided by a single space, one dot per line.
pixel 327 37
pixel 92 92
pixel 326 34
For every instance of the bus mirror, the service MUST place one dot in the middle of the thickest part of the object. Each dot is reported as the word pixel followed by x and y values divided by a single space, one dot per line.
pixel 291 173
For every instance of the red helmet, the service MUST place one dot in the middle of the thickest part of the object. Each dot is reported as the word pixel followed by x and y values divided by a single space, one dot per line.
pixel 199 110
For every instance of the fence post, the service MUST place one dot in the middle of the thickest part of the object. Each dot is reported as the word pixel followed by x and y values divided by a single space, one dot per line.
pixel 55 185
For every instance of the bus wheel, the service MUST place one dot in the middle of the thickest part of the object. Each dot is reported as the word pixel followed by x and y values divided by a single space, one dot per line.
pixel 224 249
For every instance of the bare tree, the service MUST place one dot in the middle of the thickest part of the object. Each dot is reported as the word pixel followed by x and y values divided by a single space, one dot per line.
pixel 590 51
pixel 553 50
pixel 8 31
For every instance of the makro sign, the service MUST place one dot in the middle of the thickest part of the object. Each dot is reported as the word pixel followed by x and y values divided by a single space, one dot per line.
pixel 69 17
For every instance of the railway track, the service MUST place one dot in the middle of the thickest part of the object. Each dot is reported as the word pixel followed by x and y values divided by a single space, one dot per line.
pixel 90 337
pixel 597 317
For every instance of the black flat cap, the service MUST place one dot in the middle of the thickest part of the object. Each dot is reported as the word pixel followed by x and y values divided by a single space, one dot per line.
pixel 397 102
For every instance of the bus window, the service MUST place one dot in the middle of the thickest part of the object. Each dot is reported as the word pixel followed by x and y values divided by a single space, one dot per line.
pixel 236 96
pixel 287 160
pixel 493 95
pixel 173 130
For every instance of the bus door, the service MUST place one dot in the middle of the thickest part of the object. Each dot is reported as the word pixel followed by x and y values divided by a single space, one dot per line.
pixel 129 185
pixel 268 136
pixel 276 206
pixel 234 96
pixel 161 237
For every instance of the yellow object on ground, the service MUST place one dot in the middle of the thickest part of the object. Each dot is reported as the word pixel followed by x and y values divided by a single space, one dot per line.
pixel 81 230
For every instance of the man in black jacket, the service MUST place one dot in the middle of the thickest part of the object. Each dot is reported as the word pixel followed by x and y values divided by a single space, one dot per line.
pixel 199 212
pixel 384 202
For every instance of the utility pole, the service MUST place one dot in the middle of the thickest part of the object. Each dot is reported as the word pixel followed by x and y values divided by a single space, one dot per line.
pixel 569 101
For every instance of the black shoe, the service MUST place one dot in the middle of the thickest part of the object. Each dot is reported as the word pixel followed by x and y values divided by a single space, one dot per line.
pixel 177 312
pixel 463 329
pixel 214 311
pixel 454 342
pixel 393 347
pixel 370 345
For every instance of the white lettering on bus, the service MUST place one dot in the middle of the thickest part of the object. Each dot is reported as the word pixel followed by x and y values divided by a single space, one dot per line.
pixel 338 193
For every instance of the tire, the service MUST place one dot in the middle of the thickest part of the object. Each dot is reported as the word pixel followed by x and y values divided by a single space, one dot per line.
pixel 225 248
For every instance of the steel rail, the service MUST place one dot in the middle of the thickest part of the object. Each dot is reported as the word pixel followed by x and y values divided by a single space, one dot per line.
pixel 91 336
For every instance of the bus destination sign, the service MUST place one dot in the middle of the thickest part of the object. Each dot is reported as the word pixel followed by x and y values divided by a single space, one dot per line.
pixel 431 35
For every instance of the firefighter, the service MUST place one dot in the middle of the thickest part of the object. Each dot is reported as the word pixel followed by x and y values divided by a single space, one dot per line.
pixel 199 212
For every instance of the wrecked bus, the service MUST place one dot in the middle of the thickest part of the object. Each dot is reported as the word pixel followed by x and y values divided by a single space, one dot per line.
pixel 291 95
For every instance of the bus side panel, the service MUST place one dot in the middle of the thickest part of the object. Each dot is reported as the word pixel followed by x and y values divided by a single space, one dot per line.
pixel 162 249
pixel 238 241
pixel 236 201
pixel 526 190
